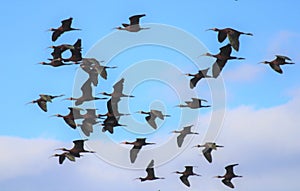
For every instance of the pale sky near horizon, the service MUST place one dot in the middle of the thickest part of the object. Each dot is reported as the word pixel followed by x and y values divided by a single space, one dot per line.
pixel 259 128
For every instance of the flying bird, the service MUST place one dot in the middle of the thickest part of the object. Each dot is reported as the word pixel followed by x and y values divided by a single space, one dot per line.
pixel 137 146
pixel 279 60
pixel 208 147
pixel 134 25
pixel 58 50
pixel 194 104
pixel 222 57
pixel 196 77
pixel 70 118
pixel 86 95
pixel 228 176
pixel 183 133
pixel 118 90
pixel 152 115
pixel 91 63
pixel 150 173
pixel 185 174
pixel 56 63
pixel 65 26
pixel 232 34
pixel 77 148
pixel 63 156
pixel 42 101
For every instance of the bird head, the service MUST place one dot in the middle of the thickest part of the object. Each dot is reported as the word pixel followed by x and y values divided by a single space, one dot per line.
pixel 34 101
pixel 264 62
pixel 217 176
pixel 118 28
pixel 56 115
pixel 69 98
pixel 198 146
pixel 212 29
pixel 62 149
pixel 206 54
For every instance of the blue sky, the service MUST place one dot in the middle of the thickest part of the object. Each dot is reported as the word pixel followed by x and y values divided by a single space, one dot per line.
pixel 261 105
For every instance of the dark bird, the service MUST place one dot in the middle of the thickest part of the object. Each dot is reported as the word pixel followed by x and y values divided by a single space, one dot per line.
pixel 194 104
pixel 63 156
pixel 65 26
pixel 58 50
pixel 89 119
pixel 56 63
pixel 196 77
pixel 208 147
pixel 134 25
pixel 183 133
pixel 232 34
pixel 113 109
pixel 152 115
pixel 91 63
pixel 70 118
pixel 150 173
pixel 77 148
pixel 228 176
pixel 86 95
pixel 109 123
pixel 280 60
pixel 118 90
pixel 42 101
pixel 185 174
pixel 137 145
pixel 222 57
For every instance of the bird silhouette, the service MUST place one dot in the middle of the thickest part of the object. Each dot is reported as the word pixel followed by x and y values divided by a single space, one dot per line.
pixel 194 104
pixel 228 176
pixel 86 95
pixel 77 148
pixel 118 90
pixel 232 34
pixel 197 77
pixel 134 25
pixel 150 173
pixel 63 156
pixel 279 60
pixel 185 174
pixel 57 62
pixel 152 115
pixel 137 145
pixel 222 57
pixel 89 64
pixel 70 118
pixel 183 133
pixel 65 26
pixel 208 147
pixel 42 101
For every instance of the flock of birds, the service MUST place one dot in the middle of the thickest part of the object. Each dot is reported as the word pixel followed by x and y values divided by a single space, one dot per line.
pixel 110 119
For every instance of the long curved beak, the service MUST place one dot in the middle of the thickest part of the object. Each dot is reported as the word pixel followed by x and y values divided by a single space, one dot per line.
pixel 208 29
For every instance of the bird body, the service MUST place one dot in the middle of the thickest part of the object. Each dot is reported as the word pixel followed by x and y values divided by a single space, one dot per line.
pixel 228 175
pixel 118 90
pixel 194 104
pixel 279 60
pixel 70 118
pixel 88 64
pixel 232 34
pixel 134 25
pixel 137 146
pixel 42 101
pixel 222 57
pixel 197 77
pixel 86 90
pixel 77 148
pixel 56 63
pixel 208 147
pixel 185 174
pixel 63 156
pixel 183 133
pixel 65 26
pixel 152 115
pixel 150 173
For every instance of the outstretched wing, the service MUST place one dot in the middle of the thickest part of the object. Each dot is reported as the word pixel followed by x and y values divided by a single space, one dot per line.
pixel 135 20
pixel 184 180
